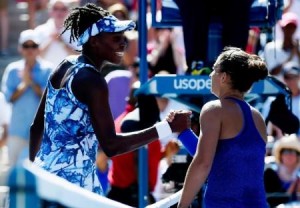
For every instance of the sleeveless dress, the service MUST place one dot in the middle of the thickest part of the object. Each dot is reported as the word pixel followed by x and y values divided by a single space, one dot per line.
pixel 236 178
pixel 69 145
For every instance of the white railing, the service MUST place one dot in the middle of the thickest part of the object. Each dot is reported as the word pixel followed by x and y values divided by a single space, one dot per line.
pixel 167 202
pixel 53 188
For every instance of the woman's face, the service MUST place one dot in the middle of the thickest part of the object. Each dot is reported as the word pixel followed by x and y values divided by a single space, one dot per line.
pixel 111 47
pixel 289 157
pixel 59 12
pixel 29 50
pixel 215 76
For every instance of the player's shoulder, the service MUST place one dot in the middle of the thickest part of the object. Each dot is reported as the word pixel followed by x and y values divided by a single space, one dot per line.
pixel 212 107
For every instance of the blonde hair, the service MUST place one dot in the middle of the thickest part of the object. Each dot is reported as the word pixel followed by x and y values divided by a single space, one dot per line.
pixel 286 142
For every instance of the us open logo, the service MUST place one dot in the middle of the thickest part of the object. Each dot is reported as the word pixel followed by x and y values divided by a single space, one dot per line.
pixel 192 84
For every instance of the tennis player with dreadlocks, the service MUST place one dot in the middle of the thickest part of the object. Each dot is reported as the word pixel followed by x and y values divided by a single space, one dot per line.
pixel 74 114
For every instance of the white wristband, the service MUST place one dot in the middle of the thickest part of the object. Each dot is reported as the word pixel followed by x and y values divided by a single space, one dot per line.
pixel 163 129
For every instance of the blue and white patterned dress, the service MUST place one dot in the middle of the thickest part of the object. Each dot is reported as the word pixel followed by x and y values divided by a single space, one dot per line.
pixel 69 144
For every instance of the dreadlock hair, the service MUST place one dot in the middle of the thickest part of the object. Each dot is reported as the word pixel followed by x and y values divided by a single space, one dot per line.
pixel 82 18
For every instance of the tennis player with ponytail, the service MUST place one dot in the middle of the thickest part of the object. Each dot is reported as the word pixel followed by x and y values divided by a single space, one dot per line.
pixel 231 148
